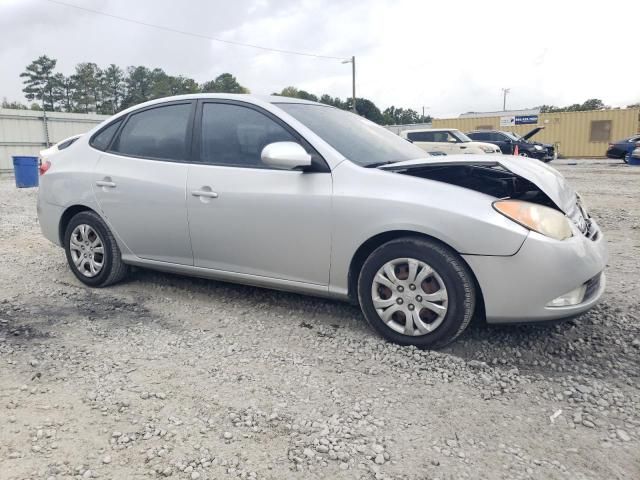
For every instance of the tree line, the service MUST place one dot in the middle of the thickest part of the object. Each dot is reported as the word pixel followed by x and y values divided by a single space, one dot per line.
pixel 92 89
pixel 365 107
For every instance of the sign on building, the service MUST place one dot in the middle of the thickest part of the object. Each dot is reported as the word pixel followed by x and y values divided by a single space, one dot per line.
pixel 512 120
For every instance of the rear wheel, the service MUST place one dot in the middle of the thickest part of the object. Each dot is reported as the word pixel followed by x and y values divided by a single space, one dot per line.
pixel 415 291
pixel 92 252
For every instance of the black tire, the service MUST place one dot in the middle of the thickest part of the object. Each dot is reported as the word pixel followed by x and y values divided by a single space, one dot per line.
pixel 524 154
pixel 625 157
pixel 113 269
pixel 457 278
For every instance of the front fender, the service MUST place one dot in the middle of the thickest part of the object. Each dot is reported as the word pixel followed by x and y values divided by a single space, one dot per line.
pixel 369 202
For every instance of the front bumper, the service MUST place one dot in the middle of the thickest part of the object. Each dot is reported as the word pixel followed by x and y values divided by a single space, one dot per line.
pixel 518 289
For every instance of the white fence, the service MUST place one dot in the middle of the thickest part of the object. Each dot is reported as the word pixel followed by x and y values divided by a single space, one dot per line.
pixel 399 128
pixel 26 132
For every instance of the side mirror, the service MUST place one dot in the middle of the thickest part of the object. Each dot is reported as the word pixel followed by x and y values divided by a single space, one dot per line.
pixel 508 141
pixel 452 140
pixel 286 155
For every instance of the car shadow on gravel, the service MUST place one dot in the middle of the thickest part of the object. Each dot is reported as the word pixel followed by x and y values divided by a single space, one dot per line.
pixel 314 311
pixel 581 345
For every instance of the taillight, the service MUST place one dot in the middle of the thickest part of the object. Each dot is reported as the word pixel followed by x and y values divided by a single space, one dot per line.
pixel 44 166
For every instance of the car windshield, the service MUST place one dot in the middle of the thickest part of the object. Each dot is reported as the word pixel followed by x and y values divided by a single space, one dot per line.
pixel 513 136
pixel 461 136
pixel 361 141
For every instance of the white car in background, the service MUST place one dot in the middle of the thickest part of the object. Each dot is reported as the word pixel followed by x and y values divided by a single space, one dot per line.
pixel 450 141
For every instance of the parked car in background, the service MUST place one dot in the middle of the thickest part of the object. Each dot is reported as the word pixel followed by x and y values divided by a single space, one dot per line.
pixel 622 148
pixel 295 195
pixel 44 155
pixel 507 142
pixel 633 157
pixel 448 140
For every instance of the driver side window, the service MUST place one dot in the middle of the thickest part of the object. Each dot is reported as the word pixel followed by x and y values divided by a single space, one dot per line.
pixel 451 138
pixel 233 135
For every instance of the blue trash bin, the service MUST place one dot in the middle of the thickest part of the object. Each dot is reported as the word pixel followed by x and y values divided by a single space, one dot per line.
pixel 26 170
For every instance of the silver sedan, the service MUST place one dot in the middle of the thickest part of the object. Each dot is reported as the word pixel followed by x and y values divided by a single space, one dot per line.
pixel 300 196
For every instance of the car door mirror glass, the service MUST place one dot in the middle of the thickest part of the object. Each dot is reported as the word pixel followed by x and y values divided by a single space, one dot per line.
pixel 285 155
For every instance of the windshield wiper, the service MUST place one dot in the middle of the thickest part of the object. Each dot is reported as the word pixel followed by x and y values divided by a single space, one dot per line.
pixel 378 164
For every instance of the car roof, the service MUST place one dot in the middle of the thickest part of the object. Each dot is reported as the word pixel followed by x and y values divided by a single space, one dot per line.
pixel 431 130
pixel 231 96
pixel 254 99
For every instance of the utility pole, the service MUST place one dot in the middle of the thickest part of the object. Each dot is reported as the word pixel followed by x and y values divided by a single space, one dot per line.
pixel 352 61
pixel 505 91
pixel 423 109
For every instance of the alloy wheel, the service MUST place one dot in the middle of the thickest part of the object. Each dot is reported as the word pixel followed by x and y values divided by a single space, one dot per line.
pixel 87 250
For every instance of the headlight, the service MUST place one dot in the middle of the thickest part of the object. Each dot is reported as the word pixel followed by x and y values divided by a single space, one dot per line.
pixel 544 220
pixel 486 149
pixel 537 147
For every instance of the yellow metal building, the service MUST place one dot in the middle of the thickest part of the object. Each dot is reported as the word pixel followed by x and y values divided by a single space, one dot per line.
pixel 575 134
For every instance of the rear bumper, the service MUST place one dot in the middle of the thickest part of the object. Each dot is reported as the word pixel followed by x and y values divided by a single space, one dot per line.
pixel 518 289
pixel 49 216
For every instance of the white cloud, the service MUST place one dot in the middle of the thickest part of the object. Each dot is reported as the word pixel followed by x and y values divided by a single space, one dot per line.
pixel 452 57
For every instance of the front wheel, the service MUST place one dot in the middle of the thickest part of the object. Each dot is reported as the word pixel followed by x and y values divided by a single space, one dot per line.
pixel 416 291
pixel 92 252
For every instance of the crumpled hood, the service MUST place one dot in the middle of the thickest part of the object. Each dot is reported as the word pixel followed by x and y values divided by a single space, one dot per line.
pixel 547 178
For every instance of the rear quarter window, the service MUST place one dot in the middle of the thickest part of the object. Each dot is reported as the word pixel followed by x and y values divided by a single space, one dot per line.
pixel 421 136
pixel 102 139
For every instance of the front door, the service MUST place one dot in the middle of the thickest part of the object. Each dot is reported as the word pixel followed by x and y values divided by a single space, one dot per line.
pixel 245 217
pixel 140 182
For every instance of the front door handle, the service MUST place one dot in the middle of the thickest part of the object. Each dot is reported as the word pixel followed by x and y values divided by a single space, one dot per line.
pixel 106 183
pixel 204 193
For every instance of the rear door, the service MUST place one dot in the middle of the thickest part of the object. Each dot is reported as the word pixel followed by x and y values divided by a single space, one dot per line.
pixel 502 141
pixel 140 182
pixel 429 141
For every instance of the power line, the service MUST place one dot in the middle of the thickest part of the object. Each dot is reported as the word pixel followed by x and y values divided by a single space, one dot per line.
pixel 191 34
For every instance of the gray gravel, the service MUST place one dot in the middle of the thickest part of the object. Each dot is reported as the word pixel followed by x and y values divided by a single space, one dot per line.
pixel 170 377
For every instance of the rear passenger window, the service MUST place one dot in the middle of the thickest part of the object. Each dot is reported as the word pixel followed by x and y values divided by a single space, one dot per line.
pixel 103 138
pixel 479 136
pixel 159 132
pixel 421 137
pixel 234 135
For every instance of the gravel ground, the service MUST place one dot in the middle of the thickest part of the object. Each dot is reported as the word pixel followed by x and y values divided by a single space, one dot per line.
pixel 166 376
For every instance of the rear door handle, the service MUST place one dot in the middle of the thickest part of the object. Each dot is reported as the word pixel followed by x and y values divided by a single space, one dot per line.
pixel 106 183
pixel 204 193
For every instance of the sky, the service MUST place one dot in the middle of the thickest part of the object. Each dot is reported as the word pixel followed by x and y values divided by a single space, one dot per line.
pixel 448 57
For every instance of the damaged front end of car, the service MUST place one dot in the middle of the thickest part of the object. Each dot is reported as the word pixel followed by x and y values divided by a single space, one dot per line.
pixel 516 178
